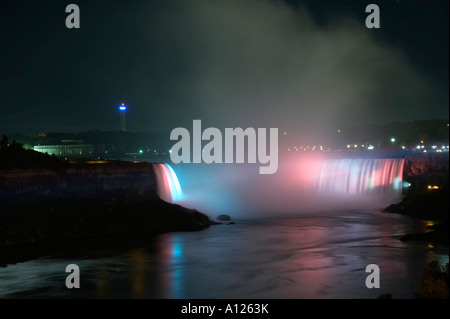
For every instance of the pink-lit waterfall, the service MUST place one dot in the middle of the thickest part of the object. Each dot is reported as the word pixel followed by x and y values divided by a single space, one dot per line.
pixel 361 176
pixel 169 188
pixel 303 183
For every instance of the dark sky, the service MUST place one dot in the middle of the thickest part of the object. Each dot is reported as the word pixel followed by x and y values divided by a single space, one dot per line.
pixel 307 67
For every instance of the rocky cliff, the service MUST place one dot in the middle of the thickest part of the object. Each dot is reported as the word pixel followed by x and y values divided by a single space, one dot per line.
pixel 428 195
pixel 426 168
pixel 86 201
pixel 79 180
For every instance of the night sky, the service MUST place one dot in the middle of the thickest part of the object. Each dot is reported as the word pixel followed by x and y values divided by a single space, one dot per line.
pixel 307 67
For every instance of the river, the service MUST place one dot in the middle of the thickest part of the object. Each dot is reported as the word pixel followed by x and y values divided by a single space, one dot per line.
pixel 316 255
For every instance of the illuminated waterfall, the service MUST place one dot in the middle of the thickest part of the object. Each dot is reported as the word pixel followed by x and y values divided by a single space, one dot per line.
pixel 305 183
pixel 168 186
pixel 361 176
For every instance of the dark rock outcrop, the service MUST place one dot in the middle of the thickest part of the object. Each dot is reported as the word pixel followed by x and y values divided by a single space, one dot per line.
pixel 81 180
pixel 426 166
pixel 422 201
pixel 223 217
pixel 87 201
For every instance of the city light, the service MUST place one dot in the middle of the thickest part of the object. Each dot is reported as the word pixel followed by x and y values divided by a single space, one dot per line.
pixel 393 139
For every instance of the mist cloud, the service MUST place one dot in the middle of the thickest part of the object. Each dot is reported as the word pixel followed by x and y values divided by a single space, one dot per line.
pixel 266 64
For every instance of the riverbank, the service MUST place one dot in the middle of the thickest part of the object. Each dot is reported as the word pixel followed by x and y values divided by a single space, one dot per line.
pixel 46 201
pixel 428 197
pixel 32 230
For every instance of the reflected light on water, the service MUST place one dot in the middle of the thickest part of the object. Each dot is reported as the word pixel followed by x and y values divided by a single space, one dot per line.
pixel 174 266
pixel 139 259
pixel 314 256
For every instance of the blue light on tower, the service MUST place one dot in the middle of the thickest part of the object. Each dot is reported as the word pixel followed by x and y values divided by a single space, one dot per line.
pixel 122 109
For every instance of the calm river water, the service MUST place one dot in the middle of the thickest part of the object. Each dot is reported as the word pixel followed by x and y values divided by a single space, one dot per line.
pixel 321 255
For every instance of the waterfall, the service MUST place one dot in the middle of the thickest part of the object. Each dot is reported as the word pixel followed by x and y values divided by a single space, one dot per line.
pixel 168 186
pixel 304 183
pixel 361 176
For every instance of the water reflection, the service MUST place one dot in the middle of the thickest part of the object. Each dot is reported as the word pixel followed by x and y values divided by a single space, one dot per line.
pixel 317 256
pixel 102 278
pixel 139 258
pixel 172 265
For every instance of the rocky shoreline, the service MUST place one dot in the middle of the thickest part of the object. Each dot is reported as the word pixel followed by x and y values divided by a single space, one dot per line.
pixel 41 209
pixel 428 196
pixel 57 225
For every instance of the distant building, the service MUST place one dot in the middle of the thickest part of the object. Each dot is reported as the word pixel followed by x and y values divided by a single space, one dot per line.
pixel 72 150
